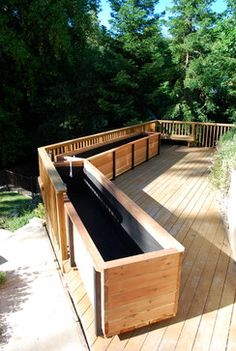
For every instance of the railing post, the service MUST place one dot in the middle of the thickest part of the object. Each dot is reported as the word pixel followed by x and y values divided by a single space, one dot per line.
pixel 158 143
pixel 61 228
pixel 70 231
pixel 97 303
pixel 194 131
pixel 147 149
pixel 132 156
pixel 113 165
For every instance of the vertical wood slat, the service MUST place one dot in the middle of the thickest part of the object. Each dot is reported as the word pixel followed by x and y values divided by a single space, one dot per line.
pixel 61 227
pixel 147 149
pixel 70 231
pixel 114 165
pixel 97 303
pixel 132 156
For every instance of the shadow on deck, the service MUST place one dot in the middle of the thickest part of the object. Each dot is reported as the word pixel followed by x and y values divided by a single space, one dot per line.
pixel 173 188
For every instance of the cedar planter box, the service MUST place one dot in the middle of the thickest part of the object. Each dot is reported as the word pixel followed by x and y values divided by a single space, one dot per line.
pixel 117 157
pixel 129 264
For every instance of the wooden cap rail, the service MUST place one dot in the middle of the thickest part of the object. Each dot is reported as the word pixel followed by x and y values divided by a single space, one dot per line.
pixel 47 165
pixel 84 143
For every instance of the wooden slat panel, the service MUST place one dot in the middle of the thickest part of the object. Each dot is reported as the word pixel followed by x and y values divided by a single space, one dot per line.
pixel 140 305
pixel 103 162
pixel 140 151
pixel 135 270
pixel 153 146
pixel 139 320
pixel 140 301
pixel 123 159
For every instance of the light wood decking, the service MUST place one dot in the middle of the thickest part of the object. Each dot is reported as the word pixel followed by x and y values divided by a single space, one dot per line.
pixel 173 188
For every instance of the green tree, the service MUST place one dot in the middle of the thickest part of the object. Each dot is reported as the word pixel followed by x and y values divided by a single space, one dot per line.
pixel 220 77
pixel 139 83
pixel 191 27
pixel 42 45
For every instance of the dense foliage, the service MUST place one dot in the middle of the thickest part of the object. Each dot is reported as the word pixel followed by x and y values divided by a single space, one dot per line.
pixel 224 162
pixel 65 75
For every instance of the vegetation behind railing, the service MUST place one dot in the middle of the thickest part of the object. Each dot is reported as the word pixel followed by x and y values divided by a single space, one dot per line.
pixel 200 134
pixel 224 162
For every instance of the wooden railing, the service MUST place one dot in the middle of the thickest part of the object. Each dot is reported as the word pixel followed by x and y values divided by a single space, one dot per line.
pixel 53 191
pixel 199 134
pixel 87 142
pixel 208 134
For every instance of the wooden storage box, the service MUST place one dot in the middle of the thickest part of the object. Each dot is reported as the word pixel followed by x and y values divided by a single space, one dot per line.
pixel 129 264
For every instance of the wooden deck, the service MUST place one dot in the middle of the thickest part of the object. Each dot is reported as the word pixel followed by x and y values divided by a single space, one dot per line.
pixel 173 188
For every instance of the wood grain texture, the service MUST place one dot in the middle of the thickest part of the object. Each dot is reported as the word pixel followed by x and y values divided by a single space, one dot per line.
pixel 195 222
pixel 176 193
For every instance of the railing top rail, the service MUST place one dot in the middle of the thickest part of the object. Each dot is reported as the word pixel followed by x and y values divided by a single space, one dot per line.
pixel 68 142
pixel 51 171
pixel 173 121
pixel 196 123
pixel 216 124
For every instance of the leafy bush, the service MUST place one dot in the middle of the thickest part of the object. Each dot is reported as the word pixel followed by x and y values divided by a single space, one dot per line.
pixel 3 277
pixel 224 161
pixel 39 211
pixel 17 210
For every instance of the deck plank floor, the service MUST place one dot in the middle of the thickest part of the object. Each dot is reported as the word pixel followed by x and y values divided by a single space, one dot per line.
pixel 173 188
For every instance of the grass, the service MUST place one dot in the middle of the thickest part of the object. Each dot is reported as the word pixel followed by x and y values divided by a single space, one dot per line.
pixel 16 210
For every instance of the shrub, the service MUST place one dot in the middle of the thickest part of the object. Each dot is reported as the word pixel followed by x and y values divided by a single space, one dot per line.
pixel 39 211
pixel 223 162
pixel 3 277
pixel 17 210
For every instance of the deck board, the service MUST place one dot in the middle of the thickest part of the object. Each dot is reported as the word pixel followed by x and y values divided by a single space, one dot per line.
pixel 173 188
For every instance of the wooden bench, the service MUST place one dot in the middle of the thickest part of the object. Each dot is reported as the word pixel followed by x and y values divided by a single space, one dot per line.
pixel 189 138
pixel 178 131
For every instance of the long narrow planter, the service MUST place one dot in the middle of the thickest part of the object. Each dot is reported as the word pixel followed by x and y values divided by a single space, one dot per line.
pixel 119 159
pixel 129 264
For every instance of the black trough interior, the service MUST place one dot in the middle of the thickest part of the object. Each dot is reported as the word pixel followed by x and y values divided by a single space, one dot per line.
pixel 99 149
pixel 104 228
pixel 104 219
